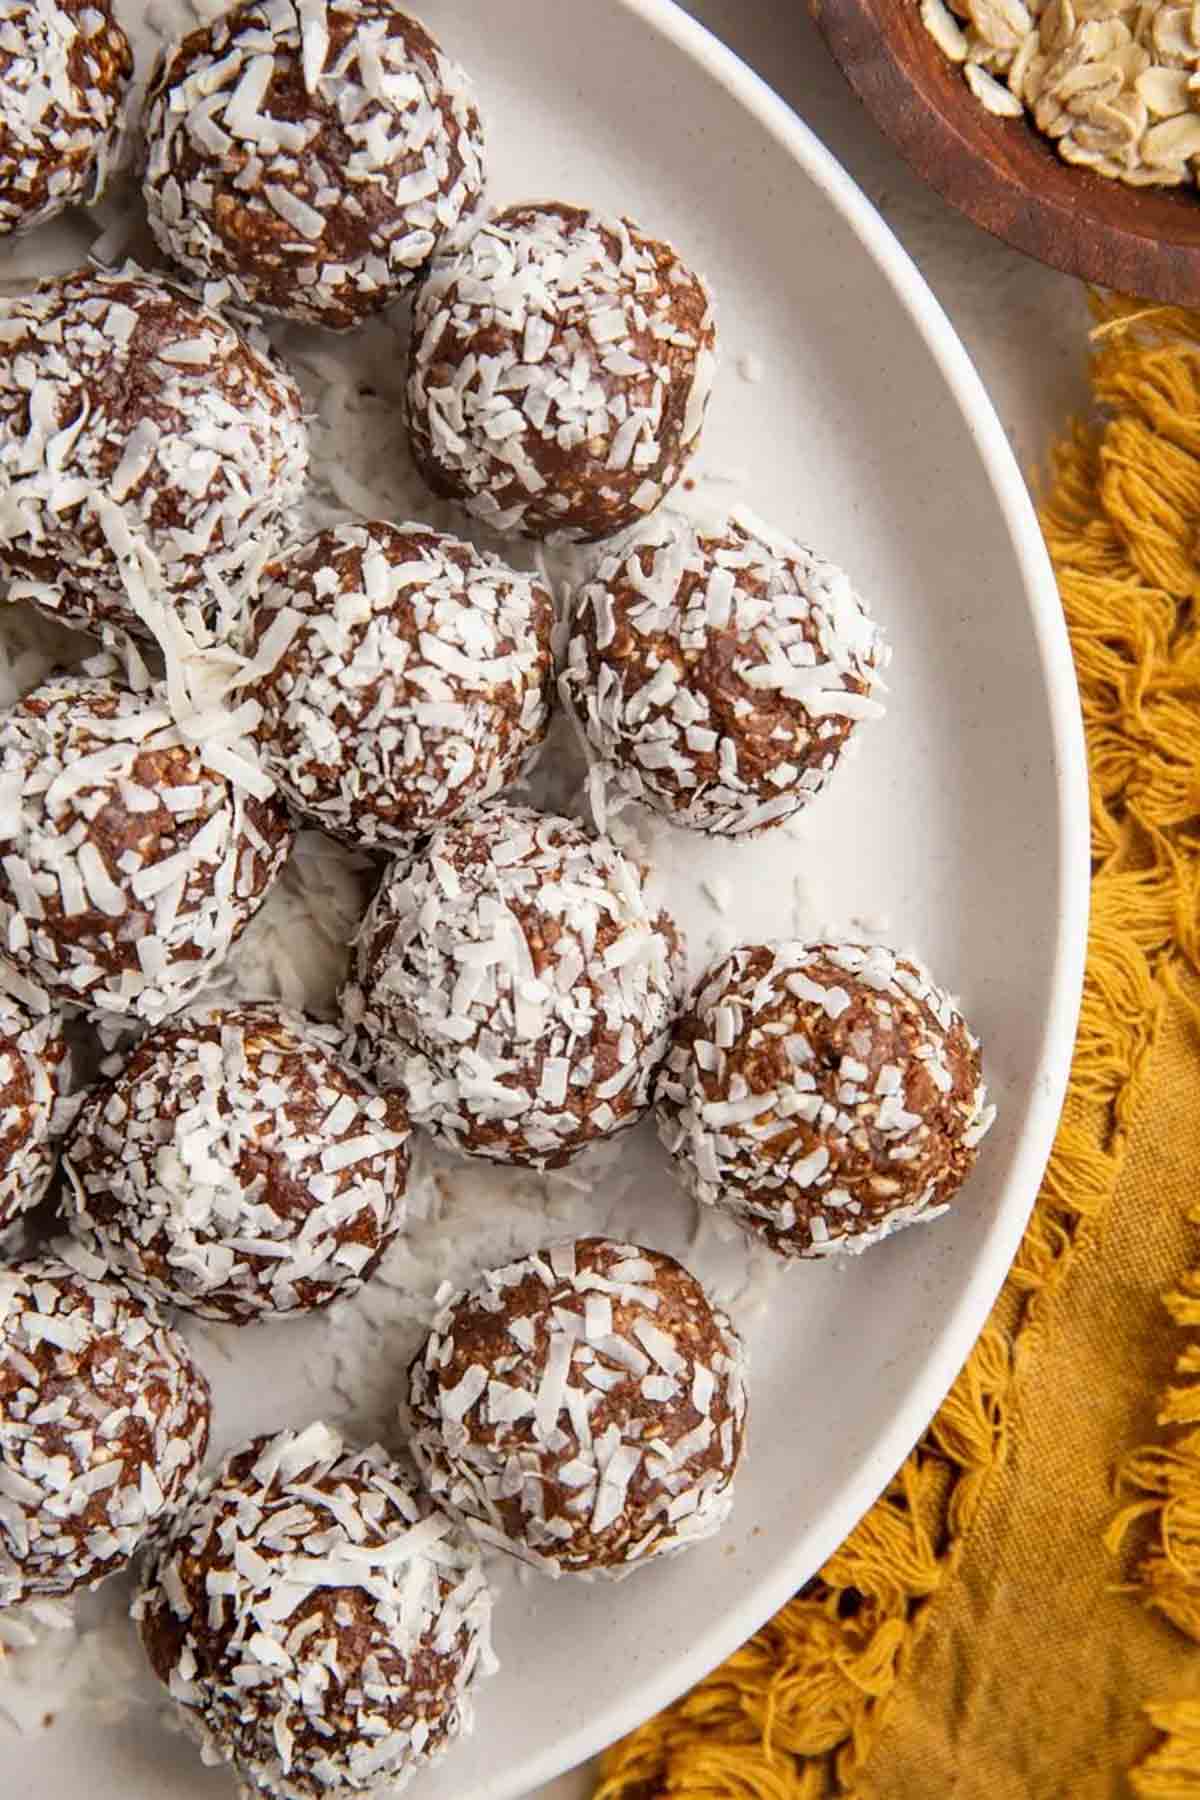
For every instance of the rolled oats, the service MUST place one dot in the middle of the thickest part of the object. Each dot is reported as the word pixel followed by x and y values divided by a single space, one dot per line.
pixel 1116 83
pixel 944 29
pixel 992 93
pixel 1172 141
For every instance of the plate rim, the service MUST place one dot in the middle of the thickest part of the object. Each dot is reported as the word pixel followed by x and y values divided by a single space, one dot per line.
pixel 962 1326
pixel 817 1536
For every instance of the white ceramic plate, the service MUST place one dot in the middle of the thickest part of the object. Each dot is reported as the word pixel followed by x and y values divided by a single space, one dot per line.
pixel 962 825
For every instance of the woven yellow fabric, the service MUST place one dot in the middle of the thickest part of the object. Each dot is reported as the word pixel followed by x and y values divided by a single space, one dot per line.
pixel 1015 1616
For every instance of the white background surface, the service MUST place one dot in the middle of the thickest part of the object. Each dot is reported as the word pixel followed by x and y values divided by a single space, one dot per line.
pixel 1024 326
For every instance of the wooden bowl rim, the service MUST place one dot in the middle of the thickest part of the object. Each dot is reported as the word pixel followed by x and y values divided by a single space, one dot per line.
pixel 1002 173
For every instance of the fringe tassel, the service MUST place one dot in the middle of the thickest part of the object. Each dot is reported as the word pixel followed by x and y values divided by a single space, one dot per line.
pixel 794 1714
pixel 1172 1769
pixel 1151 368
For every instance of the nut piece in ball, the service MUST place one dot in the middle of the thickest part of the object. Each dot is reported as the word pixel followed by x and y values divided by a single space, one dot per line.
pixel 319 1625
pixel 238 1167
pixel 718 672
pixel 128 866
pixel 404 678
pixel 583 1408
pixel 34 1069
pixel 310 157
pixel 151 455
pixel 64 73
pixel 103 1426
pixel 823 1095
pixel 514 979
pixel 561 365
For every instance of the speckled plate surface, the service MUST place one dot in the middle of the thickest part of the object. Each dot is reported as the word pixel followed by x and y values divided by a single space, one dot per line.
pixel 846 412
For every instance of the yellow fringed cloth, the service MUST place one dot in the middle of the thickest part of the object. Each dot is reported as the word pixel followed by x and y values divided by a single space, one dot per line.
pixel 1017 1618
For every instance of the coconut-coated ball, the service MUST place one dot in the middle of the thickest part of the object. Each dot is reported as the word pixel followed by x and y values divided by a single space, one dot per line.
pixel 404 677
pixel 319 1624
pixel 64 76
pixel 560 369
pixel 583 1408
pixel 823 1095
pixel 517 982
pixel 103 1425
pixel 129 866
pixel 238 1166
pixel 151 456
pixel 34 1072
pixel 719 671
pixel 309 158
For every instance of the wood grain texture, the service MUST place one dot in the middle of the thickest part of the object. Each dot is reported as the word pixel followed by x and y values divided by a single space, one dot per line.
pixel 1004 174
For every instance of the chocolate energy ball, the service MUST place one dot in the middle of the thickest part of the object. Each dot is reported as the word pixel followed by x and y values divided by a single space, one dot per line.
pixel 128 866
pixel 320 1626
pixel 149 452
pixel 64 73
pixel 514 979
pixel 561 365
pixel 719 670
pixel 238 1167
pixel 823 1095
pixel 404 678
pixel 310 157
pixel 103 1426
pixel 583 1408
pixel 34 1068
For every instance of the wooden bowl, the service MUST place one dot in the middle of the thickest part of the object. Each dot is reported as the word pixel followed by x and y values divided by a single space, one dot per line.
pixel 1003 173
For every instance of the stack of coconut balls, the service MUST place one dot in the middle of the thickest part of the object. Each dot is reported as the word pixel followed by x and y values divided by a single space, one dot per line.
pixel 318 1610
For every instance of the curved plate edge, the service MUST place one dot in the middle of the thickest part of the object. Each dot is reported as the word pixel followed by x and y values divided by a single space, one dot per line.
pixel 964 1324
